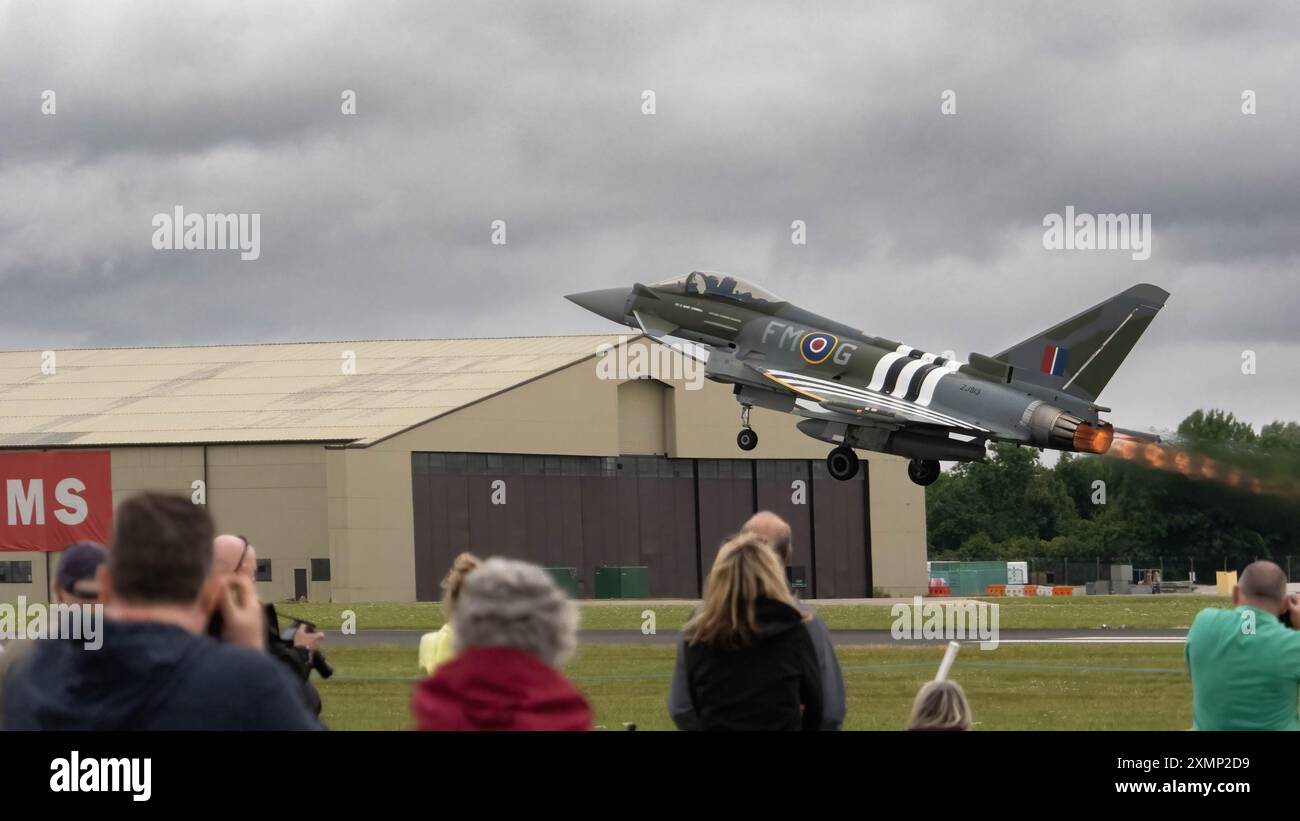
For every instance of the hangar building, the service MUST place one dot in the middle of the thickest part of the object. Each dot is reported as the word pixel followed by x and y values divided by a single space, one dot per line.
pixel 359 469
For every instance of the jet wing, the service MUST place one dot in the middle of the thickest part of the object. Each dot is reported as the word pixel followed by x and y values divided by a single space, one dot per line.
pixel 873 407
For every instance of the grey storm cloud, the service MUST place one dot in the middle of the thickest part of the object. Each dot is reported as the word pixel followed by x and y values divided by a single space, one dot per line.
pixel 920 226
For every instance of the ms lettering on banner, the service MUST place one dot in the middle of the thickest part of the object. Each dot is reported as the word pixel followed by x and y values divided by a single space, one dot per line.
pixel 54 498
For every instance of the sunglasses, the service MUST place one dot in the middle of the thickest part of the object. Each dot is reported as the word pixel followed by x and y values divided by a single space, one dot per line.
pixel 243 553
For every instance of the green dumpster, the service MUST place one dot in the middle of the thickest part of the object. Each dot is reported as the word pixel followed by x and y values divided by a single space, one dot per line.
pixel 614 582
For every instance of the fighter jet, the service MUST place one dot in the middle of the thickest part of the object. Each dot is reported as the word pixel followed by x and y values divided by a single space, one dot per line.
pixel 866 392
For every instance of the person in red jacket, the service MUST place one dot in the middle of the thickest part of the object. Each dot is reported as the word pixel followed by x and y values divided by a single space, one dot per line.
pixel 514 629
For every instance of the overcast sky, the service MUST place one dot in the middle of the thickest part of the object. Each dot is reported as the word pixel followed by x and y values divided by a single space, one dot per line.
pixel 920 226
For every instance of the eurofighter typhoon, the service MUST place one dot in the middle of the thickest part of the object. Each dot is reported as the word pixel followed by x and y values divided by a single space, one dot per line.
pixel 869 393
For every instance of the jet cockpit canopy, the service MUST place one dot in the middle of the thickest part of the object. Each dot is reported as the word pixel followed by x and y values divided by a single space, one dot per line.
pixel 714 282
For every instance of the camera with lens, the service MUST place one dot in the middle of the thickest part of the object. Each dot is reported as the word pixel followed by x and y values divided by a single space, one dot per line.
pixel 316 660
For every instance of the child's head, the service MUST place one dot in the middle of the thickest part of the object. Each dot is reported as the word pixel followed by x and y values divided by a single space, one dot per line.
pixel 940 705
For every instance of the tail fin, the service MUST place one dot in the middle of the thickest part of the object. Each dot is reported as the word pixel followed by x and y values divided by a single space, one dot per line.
pixel 1081 354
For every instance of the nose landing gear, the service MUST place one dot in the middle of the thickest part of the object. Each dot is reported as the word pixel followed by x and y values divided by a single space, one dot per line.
pixel 747 439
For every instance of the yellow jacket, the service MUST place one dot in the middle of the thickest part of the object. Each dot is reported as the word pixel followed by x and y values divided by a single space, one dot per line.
pixel 436 649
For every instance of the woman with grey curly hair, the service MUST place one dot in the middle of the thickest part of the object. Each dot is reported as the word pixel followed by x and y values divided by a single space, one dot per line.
pixel 514 628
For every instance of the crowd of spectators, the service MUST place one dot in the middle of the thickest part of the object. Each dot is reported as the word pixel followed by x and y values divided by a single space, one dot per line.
pixel 188 645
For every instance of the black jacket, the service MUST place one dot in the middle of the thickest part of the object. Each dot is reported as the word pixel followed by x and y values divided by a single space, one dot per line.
pixel 297 660
pixel 151 676
pixel 834 703
pixel 761 686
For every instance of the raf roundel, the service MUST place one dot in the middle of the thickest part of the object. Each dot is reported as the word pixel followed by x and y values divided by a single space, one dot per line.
pixel 816 347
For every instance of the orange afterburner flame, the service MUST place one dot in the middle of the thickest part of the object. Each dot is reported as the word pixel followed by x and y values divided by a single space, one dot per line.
pixel 1185 463
pixel 1124 447
pixel 1090 439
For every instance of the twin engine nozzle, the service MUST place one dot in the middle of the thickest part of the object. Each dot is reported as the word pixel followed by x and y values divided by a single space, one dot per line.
pixel 1051 427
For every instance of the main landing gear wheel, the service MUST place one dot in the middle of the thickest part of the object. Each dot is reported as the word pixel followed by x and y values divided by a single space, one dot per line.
pixel 747 439
pixel 842 463
pixel 923 471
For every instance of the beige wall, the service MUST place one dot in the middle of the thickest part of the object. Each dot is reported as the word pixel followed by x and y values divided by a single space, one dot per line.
pixel 642 428
pixel 371 524
pixel 898 544
pixel 273 494
pixel 162 469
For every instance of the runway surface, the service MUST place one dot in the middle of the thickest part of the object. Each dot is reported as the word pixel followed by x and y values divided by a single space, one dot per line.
pixel 411 638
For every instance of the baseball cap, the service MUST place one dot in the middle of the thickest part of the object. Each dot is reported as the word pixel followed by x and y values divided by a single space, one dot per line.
pixel 77 568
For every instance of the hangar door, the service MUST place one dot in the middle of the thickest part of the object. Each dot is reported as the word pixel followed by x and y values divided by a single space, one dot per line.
pixel 557 511
pixel 668 515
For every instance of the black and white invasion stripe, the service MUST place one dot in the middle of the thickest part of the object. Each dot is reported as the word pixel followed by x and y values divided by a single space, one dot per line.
pixel 910 374
pixel 893 403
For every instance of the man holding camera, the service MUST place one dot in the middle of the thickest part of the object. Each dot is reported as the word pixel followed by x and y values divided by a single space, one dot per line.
pixel 1245 662
pixel 233 555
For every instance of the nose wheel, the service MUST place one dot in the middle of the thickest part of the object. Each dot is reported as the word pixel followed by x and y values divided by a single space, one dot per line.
pixel 842 463
pixel 747 439
pixel 923 471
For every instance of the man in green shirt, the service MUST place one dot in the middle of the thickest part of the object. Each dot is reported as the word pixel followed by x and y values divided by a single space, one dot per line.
pixel 1245 663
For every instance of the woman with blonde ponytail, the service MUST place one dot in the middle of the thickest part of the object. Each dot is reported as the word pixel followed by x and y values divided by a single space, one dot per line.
pixel 750 661
pixel 437 648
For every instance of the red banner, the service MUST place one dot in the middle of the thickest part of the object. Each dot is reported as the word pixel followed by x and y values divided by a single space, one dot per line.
pixel 48 500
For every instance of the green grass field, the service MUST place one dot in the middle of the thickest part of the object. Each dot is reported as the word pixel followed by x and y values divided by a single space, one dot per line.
pixel 1040 611
pixel 1033 687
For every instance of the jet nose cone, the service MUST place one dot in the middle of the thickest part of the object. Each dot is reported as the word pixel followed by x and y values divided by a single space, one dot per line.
pixel 610 303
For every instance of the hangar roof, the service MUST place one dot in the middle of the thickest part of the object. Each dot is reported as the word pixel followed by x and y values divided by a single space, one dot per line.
pixel 286 392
